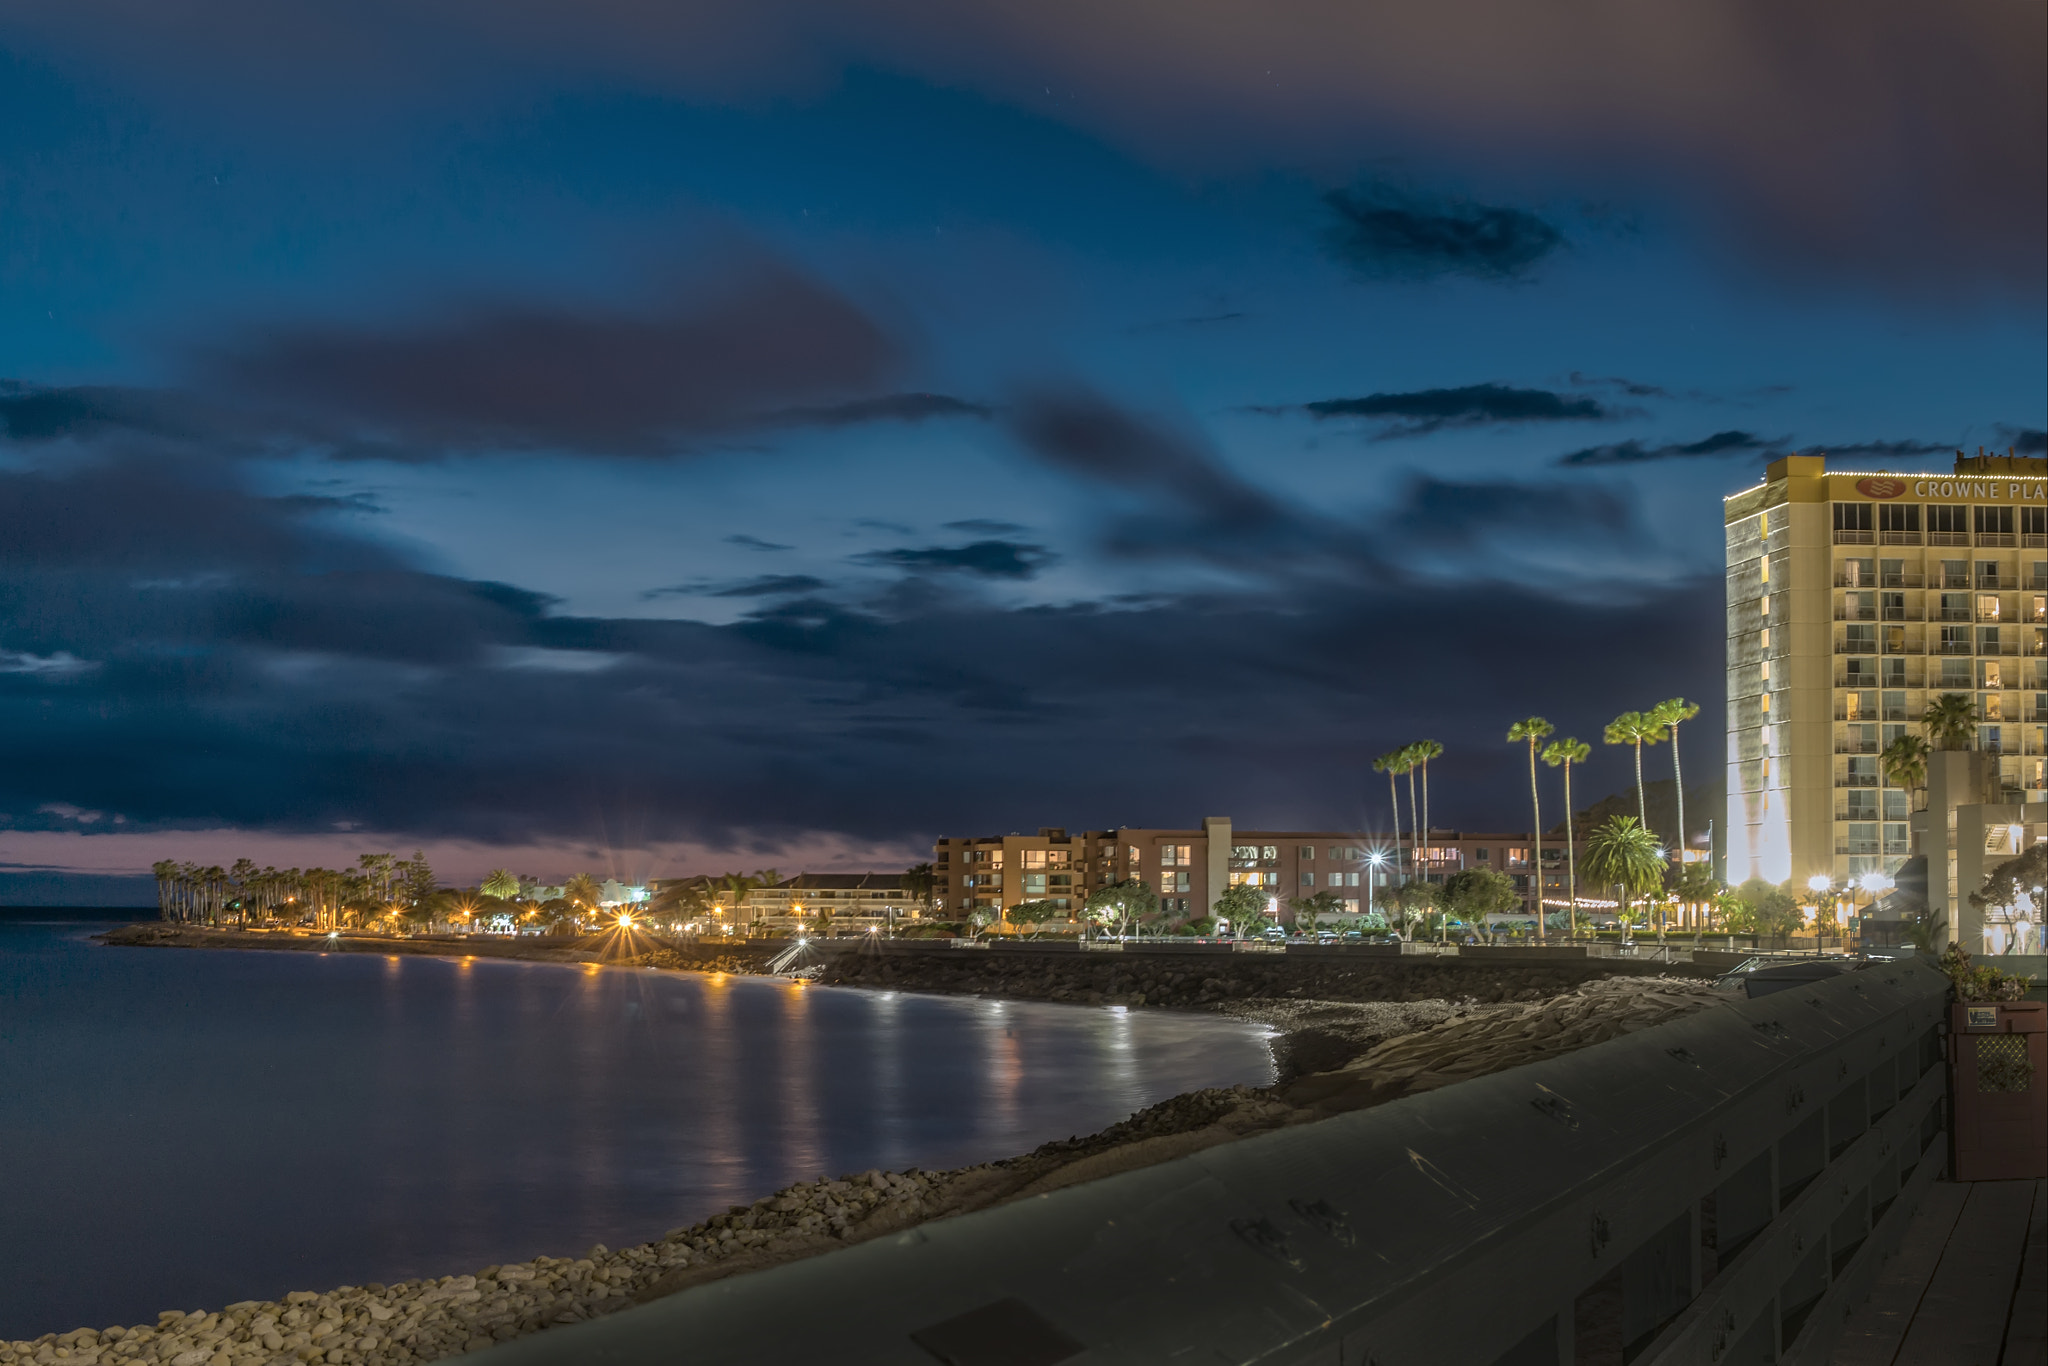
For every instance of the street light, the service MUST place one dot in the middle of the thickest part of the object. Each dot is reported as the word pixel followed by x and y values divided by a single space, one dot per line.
pixel 1375 859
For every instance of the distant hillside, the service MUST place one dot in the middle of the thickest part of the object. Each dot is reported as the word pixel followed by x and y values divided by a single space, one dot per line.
pixel 1704 802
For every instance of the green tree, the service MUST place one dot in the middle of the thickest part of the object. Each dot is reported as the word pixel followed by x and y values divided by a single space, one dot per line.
pixel 1695 884
pixel 1308 909
pixel 1669 714
pixel 919 882
pixel 1777 913
pixel 1036 913
pixel 501 884
pixel 1622 854
pixel 583 890
pixel 1415 900
pixel 1472 894
pixel 1565 753
pixel 1951 721
pixel 1530 730
pixel 1242 906
pixel 1638 729
pixel 1904 761
pixel 1122 904
pixel 416 879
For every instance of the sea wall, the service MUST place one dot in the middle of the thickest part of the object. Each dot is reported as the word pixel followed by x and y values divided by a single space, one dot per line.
pixel 1173 975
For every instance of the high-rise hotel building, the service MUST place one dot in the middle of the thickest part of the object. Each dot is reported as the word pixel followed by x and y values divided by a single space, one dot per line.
pixel 1853 600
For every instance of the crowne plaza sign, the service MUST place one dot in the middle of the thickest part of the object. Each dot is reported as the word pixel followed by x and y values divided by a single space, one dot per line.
pixel 1948 489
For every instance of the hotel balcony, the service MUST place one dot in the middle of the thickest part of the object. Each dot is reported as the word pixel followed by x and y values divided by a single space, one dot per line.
pixel 1856 746
pixel 1898 538
pixel 1855 780
pixel 1856 537
pixel 1856 614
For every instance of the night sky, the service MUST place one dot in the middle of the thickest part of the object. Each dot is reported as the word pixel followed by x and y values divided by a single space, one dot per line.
pixel 663 438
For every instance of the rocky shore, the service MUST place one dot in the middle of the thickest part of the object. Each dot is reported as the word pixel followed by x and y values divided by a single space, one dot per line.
pixel 1401 1048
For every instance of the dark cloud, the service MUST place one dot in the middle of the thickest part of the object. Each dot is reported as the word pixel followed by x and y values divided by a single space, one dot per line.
pixel 243 663
pixel 1387 232
pixel 1427 410
pixel 527 376
pixel 986 526
pixel 755 543
pixel 766 585
pixel 887 408
pixel 1086 435
pixel 2024 440
pixel 1633 388
pixel 30 412
pixel 1636 452
pixel 988 559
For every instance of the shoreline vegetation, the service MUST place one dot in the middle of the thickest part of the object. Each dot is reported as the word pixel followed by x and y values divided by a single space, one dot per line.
pixel 1334 1054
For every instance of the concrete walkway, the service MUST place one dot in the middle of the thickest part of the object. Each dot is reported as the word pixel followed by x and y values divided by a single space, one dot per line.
pixel 1967 1287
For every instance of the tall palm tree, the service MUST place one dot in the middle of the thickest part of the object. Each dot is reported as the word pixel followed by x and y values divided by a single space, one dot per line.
pixel 501 883
pixel 1409 763
pixel 1637 728
pixel 1951 721
pixel 1669 713
pixel 1532 729
pixel 1568 751
pixel 1390 764
pixel 1425 750
pixel 1621 853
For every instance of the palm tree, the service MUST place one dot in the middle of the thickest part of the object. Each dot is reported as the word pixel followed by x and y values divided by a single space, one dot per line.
pixel 1696 885
pixel 1637 728
pixel 1670 712
pixel 1904 761
pixel 1567 752
pixel 736 886
pixel 501 884
pixel 919 881
pixel 1425 750
pixel 1621 853
pixel 1390 764
pixel 1532 729
pixel 1951 721
pixel 584 890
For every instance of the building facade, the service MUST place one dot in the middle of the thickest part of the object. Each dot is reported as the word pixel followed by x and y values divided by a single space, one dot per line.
pixel 830 902
pixel 1189 868
pixel 1853 600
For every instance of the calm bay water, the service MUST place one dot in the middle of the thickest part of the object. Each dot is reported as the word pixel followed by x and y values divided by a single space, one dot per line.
pixel 184 1129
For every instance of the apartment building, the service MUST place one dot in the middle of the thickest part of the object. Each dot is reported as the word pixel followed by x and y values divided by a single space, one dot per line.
pixel 842 900
pixel 1189 868
pixel 1854 598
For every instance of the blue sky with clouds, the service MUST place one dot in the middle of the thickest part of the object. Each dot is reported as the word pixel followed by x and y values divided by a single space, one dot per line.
pixel 601 434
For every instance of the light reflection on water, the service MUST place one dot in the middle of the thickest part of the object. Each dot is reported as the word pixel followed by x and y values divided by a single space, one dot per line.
pixel 184 1128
